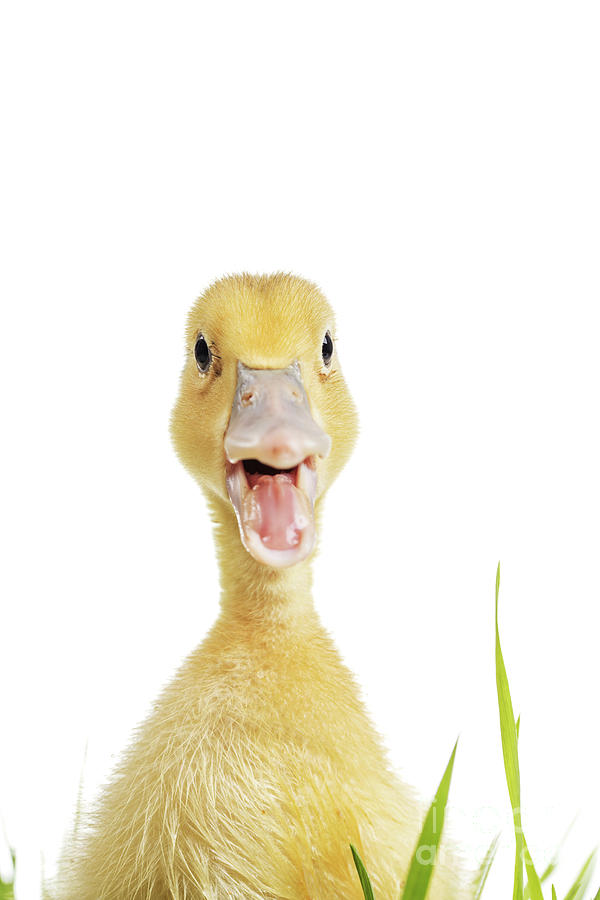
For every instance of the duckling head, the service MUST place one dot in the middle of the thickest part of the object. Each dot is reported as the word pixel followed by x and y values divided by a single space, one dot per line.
pixel 264 420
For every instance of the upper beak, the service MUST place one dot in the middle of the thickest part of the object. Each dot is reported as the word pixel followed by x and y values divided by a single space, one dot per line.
pixel 271 419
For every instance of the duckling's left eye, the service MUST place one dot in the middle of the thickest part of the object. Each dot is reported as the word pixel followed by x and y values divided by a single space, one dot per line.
pixel 202 354
pixel 327 349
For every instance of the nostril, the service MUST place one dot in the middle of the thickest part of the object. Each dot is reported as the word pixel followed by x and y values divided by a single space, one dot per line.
pixel 247 398
pixel 296 396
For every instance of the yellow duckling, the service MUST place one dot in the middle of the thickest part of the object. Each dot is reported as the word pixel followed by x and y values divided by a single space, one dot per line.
pixel 258 766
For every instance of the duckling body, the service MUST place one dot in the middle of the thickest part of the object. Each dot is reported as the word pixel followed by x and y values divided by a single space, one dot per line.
pixel 259 765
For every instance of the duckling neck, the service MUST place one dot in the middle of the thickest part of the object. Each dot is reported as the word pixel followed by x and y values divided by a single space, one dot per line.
pixel 252 591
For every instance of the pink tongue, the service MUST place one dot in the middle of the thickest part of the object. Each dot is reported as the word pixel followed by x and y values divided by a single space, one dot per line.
pixel 282 512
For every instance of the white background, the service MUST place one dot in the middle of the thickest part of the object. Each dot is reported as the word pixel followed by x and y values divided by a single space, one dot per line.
pixel 435 168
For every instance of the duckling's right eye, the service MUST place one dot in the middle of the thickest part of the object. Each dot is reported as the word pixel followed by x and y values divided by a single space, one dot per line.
pixel 202 354
pixel 327 349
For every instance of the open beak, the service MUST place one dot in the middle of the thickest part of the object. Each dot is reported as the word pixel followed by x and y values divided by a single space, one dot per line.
pixel 271 446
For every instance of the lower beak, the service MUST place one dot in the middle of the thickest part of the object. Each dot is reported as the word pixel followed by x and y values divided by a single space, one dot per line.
pixel 271 446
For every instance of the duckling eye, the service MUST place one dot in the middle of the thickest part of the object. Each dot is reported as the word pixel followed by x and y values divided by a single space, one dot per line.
pixel 327 349
pixel 202 354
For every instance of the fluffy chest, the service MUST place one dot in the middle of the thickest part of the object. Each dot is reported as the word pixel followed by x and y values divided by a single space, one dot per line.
pixel 279 691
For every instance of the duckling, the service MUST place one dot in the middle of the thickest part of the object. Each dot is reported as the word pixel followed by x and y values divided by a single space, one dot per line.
pixel 259 765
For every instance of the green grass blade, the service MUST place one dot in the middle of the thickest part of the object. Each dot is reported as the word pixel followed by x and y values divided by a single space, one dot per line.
pixel 518 877
pixel 421 867
pixel 533 880
pixel 508 732
pixel 508 728
pixel 485 867
pixel 583 879
pixel 553 864
pixel 597 897
pixel 548 871
pixel 554 897
pixel 7 889
pixel 362 874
